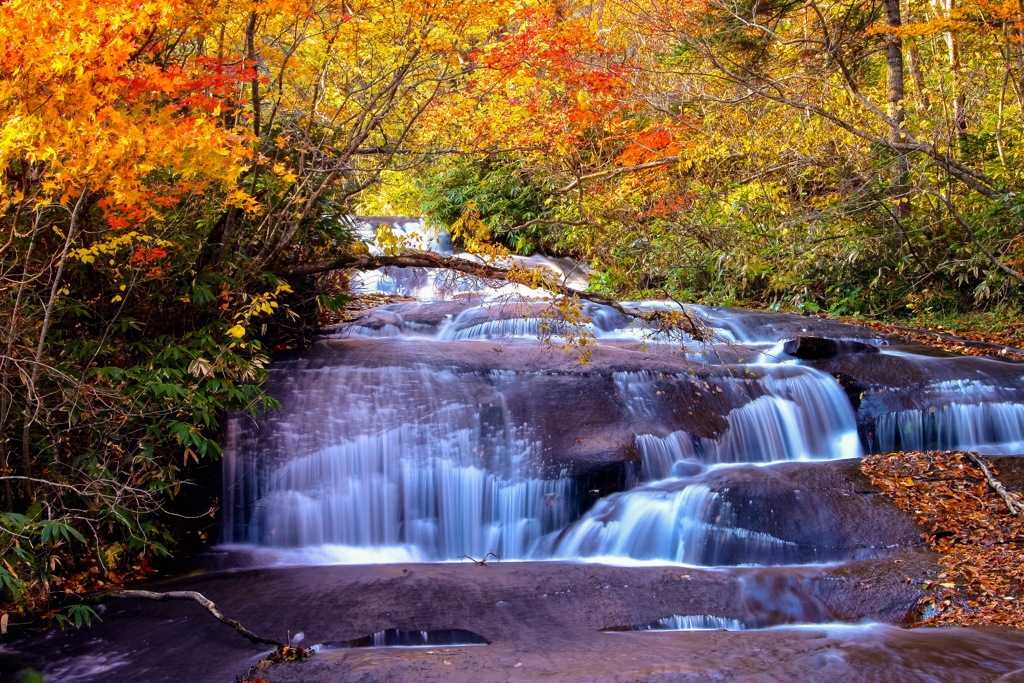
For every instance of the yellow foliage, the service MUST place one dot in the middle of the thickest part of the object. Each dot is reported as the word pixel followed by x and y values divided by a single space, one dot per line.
pixel 80 103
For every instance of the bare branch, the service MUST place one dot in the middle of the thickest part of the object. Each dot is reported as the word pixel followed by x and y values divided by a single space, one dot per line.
pixel 544 221
pixel 611 173
pixel 978 243
pixel 1015 507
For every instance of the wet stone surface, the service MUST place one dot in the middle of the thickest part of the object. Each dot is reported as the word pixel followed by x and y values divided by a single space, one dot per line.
pixel 546 617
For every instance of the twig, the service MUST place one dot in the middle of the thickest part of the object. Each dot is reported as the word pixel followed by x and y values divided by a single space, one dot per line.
pixel 611 173
pixel 483 562
pixel 202 600
pixel 1015 507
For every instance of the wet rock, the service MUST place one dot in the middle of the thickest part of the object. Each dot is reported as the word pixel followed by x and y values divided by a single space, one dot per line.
pixel 577 410
pixel 820 348
pixel 749 326
pixel 824 511
pixel 548 617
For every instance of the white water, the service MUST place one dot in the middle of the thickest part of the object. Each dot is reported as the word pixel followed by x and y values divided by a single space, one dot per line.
pixel 403 462
pixel 696 622
pixel 398 461
pixel 673 521
pixel 990 428
pixel 793 413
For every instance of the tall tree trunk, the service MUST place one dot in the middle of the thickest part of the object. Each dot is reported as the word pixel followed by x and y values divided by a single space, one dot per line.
pixel 251 57
pixel 1018 46
pixel 959 99
pixel 896 113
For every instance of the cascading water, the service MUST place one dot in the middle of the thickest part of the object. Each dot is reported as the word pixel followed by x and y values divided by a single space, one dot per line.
pixel 428 431
pixel 677 518
pixel 391 462
pixel 410 456
pixel 672 521
pixel 793 414
pixel 960 415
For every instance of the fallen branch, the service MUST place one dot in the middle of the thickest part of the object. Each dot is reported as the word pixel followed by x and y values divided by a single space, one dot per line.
pixel 483 562
pixel 484 271
pixel 422 259
pixel 996 485
pixel 210 606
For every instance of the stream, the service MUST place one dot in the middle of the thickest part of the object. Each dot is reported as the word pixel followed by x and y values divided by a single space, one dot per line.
pixel 447 493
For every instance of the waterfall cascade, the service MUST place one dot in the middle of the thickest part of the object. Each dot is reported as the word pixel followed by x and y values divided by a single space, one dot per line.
pixel 418 433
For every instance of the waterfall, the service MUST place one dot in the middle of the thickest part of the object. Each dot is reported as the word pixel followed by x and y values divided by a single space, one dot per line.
pixel 676 521
pixel 397 461
pixel 418 434
pixel 696 622
pixel 794 414
pixel 993 428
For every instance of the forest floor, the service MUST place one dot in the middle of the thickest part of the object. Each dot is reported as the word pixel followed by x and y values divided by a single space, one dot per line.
pixel 966 335
pixel 977 530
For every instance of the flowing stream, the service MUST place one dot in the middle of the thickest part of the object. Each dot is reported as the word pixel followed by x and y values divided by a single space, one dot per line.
pixel 461 425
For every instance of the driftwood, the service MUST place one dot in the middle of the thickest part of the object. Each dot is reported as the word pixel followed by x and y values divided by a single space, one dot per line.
pixel 997 486
pixel 483 562
pixel 431 260
pixel 210 606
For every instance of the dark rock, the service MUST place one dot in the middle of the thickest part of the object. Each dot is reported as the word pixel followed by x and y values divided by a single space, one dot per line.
pixel 820 348
pixel 827 511
pixel 546 618
pixel 750 325
pixel 576 409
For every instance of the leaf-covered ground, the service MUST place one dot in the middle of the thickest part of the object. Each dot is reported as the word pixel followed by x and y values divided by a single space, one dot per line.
pixel 1005 343
pixel 980 542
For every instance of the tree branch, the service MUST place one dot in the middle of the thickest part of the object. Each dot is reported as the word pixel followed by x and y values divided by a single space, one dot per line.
pixel 481 270
pixel 544 221
pixel 996 485
pixel 995 260
pixel 611 173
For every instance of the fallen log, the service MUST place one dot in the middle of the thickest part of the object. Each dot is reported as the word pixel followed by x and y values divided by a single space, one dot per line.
pixel 997 486
pixel 683 322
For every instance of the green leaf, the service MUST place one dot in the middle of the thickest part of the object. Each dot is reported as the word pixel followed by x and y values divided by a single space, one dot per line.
pixel 57 530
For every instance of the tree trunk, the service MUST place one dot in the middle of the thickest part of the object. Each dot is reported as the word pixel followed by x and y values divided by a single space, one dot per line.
pixel 896 114
pixel 959 101
pixel 250 49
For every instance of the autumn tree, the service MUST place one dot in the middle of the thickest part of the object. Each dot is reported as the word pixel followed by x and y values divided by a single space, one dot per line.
pixel 162 165
pixel 765 151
